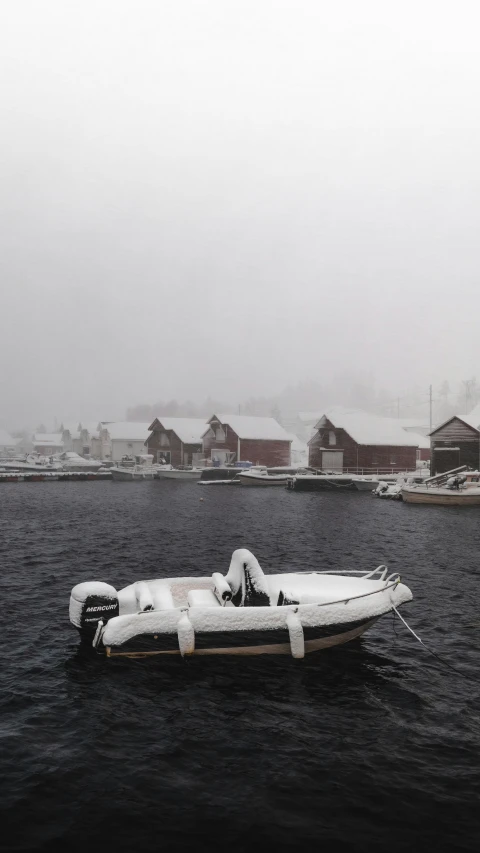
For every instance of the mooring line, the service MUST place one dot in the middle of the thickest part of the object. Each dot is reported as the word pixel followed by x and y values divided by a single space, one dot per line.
pixel 435 655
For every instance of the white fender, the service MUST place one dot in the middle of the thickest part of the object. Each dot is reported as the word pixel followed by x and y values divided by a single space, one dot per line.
pixel 295 629
pixel 186 635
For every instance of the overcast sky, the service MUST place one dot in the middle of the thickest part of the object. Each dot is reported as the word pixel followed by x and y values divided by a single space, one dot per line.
pixel 225 197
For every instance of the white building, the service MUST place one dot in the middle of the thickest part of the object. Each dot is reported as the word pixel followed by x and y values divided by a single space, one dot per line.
pixel 8 444
pixel 48 443
pixel 82 439
pixel 122 438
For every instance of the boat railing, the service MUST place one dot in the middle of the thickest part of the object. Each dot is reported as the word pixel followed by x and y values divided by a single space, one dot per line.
pixel 380 571
pixel 390 583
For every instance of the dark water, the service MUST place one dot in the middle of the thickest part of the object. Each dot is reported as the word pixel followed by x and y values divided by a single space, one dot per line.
pixel 373 746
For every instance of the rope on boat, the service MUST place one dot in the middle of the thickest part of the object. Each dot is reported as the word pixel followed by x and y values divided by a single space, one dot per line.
pixel 431 652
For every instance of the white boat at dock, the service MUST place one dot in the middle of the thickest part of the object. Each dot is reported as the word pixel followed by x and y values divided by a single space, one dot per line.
pixel 179 473
pixel 458 487
pixel 136 473
pixel 244 612
pixel 258 475
pixel 382 483
pixel 135 469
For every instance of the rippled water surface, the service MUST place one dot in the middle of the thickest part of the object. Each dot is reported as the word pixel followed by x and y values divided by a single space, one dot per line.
pixel 372 746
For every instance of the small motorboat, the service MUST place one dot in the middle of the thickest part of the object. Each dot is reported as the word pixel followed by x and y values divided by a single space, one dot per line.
pixel 459 487
pixel 244 612
pixel 391 491
pixel 186 473
pixel 137 473
pixel 258 475
pixel 365 484
pixel 71 461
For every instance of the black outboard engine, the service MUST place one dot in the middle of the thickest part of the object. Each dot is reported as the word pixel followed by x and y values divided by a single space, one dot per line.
pixel 91 602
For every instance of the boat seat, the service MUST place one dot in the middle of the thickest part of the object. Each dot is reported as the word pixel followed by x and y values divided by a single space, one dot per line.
pixel 202 598
pixel 163 599
pixel 246 580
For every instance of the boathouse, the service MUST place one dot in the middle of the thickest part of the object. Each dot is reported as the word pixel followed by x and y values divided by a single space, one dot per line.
pixel 48 443
pixel 122 438
pixel 81 438
pixel 456 442
pixel 241 438
pixel 348 440
pixel 176 441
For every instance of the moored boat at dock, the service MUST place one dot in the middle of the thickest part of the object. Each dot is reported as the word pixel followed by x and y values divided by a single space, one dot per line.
pixel 458 487
pixel 186 474
pixel 137 473
pixel 259 475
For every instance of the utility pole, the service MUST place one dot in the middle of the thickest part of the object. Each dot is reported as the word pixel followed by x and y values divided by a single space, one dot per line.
pixel 430 402
pixel 466 382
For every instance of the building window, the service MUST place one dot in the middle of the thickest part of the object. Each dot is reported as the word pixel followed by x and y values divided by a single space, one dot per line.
pixel 392 460
pixel 164 442
pixel 219 434
pixel 332 438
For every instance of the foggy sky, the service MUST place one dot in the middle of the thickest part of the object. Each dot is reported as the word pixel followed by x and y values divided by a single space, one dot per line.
pixel 227 197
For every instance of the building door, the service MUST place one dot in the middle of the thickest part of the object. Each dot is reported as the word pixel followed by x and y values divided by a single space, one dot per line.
pixel 445 459
pixel 332 460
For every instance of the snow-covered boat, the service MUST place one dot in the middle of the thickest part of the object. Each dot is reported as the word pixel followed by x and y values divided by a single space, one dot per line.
pixel 365 484
pixel 391 491
pixel 459 487
pixel 260 476
pixel 180 473
pixel 242 613
pixel 71 461
pixel 32 462
pixel 136 473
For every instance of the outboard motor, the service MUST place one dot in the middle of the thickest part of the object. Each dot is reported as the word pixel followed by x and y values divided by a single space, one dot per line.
pixel 91 602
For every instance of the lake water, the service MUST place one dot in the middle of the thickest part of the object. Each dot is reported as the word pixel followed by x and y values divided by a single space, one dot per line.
pixel 369 747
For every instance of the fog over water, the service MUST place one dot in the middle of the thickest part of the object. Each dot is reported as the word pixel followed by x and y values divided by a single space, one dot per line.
pixel 225 198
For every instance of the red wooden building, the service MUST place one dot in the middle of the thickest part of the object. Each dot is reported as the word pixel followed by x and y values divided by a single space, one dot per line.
pixel 456 442
pixel 239 438
pixel 353 441
pixel 178 441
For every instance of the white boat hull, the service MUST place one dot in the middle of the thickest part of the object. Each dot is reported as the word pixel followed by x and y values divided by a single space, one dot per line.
pixel 441 497
pixel 132 475
pixel 270 649
pixel 365 485
pixel 175 474
pixel 263 480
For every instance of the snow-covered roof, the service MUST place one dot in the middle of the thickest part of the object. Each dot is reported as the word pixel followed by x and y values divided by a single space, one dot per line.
pixel 7 440
pixel 250 427
pixel 188 430
pixel 127 430
pixel 48 439
pixel 369 429
pixel 91 427
pixel 472 420
pixel 310 417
